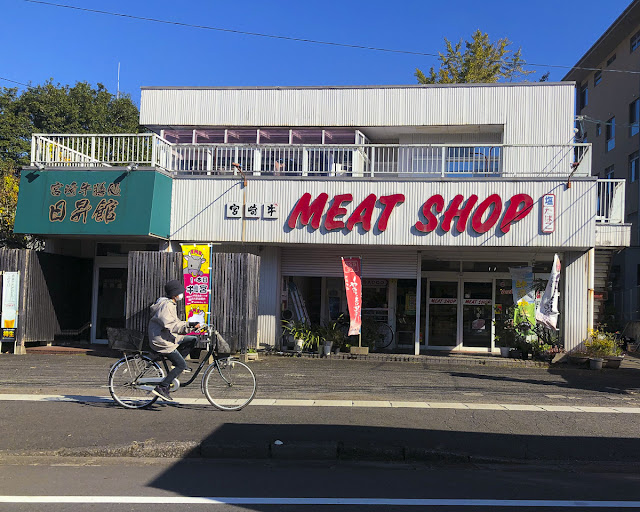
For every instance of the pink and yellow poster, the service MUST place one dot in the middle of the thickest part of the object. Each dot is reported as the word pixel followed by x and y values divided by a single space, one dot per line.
pixel 197 273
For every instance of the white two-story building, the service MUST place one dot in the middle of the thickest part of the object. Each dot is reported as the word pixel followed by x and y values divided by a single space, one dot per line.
pixel 440 190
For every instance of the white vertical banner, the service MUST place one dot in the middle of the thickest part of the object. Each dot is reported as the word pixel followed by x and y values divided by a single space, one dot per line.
pixel 10 298
pixel 547 313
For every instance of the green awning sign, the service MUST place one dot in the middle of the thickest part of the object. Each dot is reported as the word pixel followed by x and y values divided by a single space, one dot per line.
pixel 94 203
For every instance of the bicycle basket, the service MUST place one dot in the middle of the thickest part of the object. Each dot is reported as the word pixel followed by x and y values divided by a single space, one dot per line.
pixel 124 339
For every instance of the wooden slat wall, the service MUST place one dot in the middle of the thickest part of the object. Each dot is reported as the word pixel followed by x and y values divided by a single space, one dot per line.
pixel 148 273
pixel 235 287
pixel 37 320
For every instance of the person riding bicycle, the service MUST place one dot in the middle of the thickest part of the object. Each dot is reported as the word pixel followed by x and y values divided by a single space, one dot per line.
pixel 166 332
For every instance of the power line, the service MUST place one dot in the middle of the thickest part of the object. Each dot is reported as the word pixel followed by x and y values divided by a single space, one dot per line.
pixel 302 40
pixel 15 82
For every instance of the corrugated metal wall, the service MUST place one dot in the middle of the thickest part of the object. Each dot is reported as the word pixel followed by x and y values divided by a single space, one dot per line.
pixel 325 261
pixel 574 312
pixel 198 212
pixel 532 113
pixel 269 300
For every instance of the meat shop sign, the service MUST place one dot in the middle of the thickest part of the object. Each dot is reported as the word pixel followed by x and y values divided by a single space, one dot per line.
pixel 483 214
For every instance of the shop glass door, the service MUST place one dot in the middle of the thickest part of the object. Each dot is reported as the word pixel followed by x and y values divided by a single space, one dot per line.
pixel 443 314
pixel 477 314
pixel 111 300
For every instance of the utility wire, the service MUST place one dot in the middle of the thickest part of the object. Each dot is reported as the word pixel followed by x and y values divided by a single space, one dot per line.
pixel 15 82
pixel 303 40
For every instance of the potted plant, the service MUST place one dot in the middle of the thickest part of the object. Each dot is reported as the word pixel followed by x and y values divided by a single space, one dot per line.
pixel 301 332
pixel 601 345
pixel 333 336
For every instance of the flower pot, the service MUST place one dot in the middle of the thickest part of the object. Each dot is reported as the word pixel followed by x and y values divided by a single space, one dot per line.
pixel 578 359
pixel 504 351
pixel 613 361
pixel 298 344
pixel 515 354
pixel 326 348
pixel 595 363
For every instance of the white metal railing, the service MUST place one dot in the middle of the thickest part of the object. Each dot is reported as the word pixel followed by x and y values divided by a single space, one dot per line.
pixel 366 160
pixel 611 198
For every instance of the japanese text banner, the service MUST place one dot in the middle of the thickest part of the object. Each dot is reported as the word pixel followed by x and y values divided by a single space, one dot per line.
pixel 353 285
pixel 196 270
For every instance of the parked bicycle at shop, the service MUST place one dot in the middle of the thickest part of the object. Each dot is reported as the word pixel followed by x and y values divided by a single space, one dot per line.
pixel 228 384
pixel 377 334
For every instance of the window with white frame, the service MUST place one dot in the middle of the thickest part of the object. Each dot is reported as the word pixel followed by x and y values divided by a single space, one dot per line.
pixel 583 98
pixel 634 117
pixel 610 134
pixel 633 166
pixel 635 42
pixel 597 78
pixel 609 173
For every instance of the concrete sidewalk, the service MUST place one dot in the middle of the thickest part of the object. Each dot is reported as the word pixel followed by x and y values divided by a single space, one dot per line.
pixel 632 359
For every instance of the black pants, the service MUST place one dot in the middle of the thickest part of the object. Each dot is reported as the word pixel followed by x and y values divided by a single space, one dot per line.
pixel 177 358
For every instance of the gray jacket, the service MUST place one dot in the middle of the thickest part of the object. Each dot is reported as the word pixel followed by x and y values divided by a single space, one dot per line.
pixel 165 328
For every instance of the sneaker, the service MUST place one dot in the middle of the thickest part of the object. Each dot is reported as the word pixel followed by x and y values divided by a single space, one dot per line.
pixel 187 370
pixel 162 392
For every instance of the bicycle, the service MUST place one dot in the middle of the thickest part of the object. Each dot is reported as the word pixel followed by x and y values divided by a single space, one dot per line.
pixel 135 375
pixel 376 333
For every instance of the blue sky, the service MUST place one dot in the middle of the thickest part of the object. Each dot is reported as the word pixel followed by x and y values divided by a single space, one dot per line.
pixel 41 42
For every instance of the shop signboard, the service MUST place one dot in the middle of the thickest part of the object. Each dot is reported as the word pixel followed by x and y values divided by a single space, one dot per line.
pixel 196 269
pixel 94 203
pixel 352 268
pixel 548 213
pixel 10 301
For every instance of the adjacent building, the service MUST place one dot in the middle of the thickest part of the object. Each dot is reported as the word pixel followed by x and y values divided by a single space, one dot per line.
pixel 607 81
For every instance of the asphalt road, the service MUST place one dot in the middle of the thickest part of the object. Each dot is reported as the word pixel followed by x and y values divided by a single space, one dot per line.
pixel 269 485
pixel 369 431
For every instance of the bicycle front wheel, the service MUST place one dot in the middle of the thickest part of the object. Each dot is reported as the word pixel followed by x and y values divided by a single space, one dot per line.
pixel 123 377
pixel 229 385
pixel 384 335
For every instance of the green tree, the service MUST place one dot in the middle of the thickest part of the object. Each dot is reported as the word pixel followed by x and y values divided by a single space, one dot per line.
pixel 481 62
pixel 50 108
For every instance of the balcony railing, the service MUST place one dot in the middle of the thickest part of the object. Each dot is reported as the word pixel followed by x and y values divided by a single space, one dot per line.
pixel 611 199
pixel 369 160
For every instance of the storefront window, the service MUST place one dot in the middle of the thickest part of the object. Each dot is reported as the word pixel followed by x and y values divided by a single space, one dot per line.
pixel 443 313
pixel 477 315
pixel 406 312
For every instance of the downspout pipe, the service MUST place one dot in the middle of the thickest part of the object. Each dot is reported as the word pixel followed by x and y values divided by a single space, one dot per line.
pixel 591 273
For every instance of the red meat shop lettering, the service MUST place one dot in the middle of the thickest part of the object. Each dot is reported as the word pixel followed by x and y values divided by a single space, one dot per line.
pixel 483 217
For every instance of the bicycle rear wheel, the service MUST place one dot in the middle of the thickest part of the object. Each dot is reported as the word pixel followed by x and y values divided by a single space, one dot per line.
pixel 384 336
pixel 229 385
pixel 123 376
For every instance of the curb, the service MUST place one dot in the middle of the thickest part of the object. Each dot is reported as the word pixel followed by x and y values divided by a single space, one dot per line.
pixel 529 453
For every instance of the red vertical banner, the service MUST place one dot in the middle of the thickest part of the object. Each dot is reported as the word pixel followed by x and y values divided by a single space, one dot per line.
pixel 353 284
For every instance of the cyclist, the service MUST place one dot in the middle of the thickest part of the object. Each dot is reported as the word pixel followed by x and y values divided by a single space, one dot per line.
pixel 166 335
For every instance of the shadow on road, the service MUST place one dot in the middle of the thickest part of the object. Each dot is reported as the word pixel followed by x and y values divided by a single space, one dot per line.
pixel 265 442
pixel 620 381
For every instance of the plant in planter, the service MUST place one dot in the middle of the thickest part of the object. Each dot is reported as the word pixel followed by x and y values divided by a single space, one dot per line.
pixel 303 334
pixel 333 335
pixel 601 345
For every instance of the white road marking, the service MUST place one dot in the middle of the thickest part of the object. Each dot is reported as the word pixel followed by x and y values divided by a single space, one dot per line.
pixel 435 502
pixel 291 402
